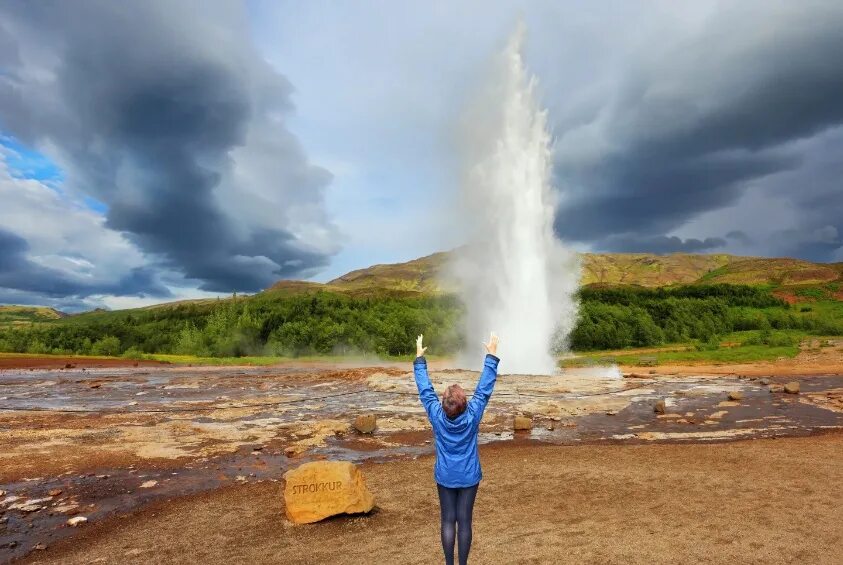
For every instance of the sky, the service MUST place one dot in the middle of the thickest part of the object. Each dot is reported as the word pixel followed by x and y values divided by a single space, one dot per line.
pixel 170 149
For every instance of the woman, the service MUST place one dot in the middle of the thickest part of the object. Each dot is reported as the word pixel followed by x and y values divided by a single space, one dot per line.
pixel 455 424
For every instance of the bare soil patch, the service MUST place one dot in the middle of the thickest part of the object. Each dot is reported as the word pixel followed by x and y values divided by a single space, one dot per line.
pixel 759 501
pixel 60 362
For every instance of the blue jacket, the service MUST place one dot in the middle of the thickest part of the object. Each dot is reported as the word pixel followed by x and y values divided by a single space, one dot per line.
pixel 457 461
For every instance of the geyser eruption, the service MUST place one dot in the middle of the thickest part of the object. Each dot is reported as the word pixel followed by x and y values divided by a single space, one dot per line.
pixel 515 276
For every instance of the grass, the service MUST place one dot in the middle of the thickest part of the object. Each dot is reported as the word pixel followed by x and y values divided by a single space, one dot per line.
pixel 16 315
pixel 687 353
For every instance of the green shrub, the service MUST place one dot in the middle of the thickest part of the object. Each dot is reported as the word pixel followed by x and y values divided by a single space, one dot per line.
pixel 108 345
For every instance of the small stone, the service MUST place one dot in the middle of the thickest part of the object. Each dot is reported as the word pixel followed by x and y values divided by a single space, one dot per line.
pixel 319 489
pixel 776 388
pixel 29 507
pixel 39 547
pixel 2 493
pixel 4 519
pixel 290 451
pixel 522 423
pixel 54 492
pixel 365 423
pixel 659 407
pixel 76 521
pixel 764 382
pixel 148 484
pixel 736 395
pixel 652 371
pixel 792 387
pixel 611 413
pixel 549 427
pixel 240 478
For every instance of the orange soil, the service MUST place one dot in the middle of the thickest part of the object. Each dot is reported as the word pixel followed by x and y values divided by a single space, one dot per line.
pixel 758 501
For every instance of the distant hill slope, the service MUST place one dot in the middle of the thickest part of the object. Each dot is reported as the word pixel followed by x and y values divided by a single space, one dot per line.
pixel 418 275
pixel 640 269
pixel 424 276
pixel 15 315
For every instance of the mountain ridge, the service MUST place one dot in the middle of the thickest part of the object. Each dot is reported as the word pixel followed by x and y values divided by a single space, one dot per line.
pixel 425 275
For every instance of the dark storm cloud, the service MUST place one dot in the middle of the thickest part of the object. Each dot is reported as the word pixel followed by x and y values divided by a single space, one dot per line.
pixel 661 244
pixel 739 236
pixel 18 273
pixel 153 108
pixel 687 130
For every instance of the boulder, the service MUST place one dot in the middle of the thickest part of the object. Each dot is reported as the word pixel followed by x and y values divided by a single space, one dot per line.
pixel 522 423
pixel 792 387
pixel 319 489
pixel 659 408
pixel 764 382
pixel 736 395
pixel 365 423
pixel 76 521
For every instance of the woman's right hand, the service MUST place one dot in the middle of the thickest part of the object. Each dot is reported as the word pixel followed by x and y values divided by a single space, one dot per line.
pixel 492 346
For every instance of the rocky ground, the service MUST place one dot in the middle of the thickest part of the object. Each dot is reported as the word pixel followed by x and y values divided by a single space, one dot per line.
pixel 761 501
pixel 103 443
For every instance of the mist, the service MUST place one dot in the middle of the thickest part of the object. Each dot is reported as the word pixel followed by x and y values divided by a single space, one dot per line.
pixel 515 277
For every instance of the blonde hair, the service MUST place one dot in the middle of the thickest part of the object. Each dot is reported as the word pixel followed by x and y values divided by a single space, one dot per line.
pixel 454 401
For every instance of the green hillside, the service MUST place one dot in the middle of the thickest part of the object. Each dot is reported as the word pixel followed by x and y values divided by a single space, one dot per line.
pixel 17 315
pixel 627 300
pixel 424 275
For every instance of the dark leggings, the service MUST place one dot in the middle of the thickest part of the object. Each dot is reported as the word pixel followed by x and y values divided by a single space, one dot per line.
pixel 456 505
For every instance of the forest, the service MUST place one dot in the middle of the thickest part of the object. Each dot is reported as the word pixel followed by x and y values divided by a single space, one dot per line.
pixel 329 323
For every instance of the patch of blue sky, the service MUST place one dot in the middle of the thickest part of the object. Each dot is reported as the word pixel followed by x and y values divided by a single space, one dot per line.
pixel 95 205
pixel 27 163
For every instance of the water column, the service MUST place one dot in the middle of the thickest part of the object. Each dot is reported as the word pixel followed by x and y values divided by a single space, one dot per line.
pixel 515 276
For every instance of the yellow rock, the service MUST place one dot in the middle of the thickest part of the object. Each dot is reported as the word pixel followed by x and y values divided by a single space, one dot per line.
pixel 522 423
pixel 366 423
pixel 317 490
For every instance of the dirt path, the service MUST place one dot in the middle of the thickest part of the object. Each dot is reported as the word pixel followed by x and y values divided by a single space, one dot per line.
pixel 759 501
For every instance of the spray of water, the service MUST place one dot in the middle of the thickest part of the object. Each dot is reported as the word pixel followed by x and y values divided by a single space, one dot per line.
pixel 515 277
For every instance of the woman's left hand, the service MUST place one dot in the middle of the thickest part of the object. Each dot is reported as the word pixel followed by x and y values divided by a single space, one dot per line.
pixel 419 349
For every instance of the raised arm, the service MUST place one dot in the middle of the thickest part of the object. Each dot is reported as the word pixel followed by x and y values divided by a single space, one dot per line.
pixel 483 391
pixel 426 393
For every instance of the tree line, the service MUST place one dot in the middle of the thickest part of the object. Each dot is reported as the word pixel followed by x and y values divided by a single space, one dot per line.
pixel 327 323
